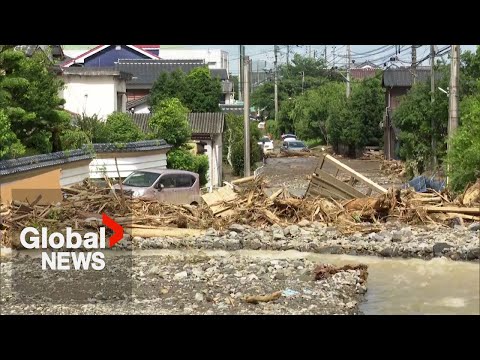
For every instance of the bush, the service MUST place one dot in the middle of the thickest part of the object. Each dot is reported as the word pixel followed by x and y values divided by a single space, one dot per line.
pixel 119 128
pixel 238 156
pixel 271 127
pixel 313 142
pixel 183 159
pixel 464 154
pixel 170 122
pixel 74 139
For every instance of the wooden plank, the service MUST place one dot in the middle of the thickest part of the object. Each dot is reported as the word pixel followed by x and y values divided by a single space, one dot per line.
pixel 463 216
pixel 453 209
pixel 339 185
pixel 243 180
pixel 216 199
pixel 355 174
pixel 275 194
pixel 323 189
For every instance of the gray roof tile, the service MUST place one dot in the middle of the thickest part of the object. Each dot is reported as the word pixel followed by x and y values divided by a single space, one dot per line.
pixel 207 123
pixel 146 72
pixel 132 146
pixel 27 163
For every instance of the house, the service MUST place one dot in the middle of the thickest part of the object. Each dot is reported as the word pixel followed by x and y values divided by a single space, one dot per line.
pixel 109 55
pixel 138 106
pixel 213 58
pixel 146 72
pixel 397 82
pixel 53 52
pixel 362 73
pixel 207 134
pixel 365 65
pixel 94 91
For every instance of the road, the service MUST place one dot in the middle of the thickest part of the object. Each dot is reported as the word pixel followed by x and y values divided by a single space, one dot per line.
pixel 293 172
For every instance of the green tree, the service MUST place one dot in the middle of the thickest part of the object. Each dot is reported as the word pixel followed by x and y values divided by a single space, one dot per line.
pixel 413 117
pixel 169 85
pixel 10 146
pixel 464 153
pixel 121 128
pixel 470 72
pixel 233 148
pixel 170 122
pixel 204 92
pixel 29 94
pixel 367 104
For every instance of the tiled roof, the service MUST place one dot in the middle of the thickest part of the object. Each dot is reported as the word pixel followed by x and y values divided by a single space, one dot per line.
pixel 146 72
pixel 200 123
pixel 142 121
pixel 132 146
pixel 136 102
pixel 41 161
pixel 207 123
pixel 404 77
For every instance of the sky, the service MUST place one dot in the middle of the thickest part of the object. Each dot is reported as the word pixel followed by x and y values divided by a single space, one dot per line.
pixel 265 53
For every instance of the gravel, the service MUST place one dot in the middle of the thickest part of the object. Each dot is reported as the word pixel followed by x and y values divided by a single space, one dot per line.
pixel 194 284
pixel 396 240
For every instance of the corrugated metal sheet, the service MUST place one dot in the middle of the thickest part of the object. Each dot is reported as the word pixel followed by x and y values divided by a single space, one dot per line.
pixel 404 76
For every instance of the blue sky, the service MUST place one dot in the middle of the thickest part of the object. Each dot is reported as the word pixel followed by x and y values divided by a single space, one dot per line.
pixel 265 53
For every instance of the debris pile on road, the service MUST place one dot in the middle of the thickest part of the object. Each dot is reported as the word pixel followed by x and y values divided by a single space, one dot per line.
pixel 244 201
pixel 324 271
pixel 393 168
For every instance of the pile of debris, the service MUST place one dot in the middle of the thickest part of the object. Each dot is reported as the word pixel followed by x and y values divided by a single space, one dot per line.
pixel 393 167
pixel 372 154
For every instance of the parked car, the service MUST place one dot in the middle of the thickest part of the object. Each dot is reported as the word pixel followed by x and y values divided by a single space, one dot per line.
pixel 266 143
pixel 171 186
pixel 285 136
pixel 294 145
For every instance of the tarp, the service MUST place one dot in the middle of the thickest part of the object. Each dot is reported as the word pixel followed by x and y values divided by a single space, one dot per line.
pixel 422 183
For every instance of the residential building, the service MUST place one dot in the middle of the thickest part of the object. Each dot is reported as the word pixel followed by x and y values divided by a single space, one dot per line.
pixel 207 134
pixel 397 82
pixel 146 72
pixel 94 91
pixel 109 55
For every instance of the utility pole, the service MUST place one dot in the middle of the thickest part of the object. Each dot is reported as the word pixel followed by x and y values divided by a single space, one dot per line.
pixel 246 115
pixel 288 55
pixel 453 106
pixel 432 99
pixel 309 51
pixel 275 48
pixel 414 63
pixel 349 60
pixel 241 75
pixel 325 53
pixel 250 76
pixel 333 53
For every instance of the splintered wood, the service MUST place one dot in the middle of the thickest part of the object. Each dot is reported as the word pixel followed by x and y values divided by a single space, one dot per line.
pixel 218 201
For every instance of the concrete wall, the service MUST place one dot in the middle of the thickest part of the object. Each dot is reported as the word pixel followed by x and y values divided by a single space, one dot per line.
pixel 26 186
pixel 104 163
pixel 142 109
pixel 90 94
pixel 214 154
pixel 74 173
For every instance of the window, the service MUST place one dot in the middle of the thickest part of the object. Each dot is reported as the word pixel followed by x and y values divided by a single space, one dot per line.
pixel 141 178
pixel 185 181
pixel 168 181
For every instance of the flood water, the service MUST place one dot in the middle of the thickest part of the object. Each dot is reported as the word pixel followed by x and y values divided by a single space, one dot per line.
pixel 395 286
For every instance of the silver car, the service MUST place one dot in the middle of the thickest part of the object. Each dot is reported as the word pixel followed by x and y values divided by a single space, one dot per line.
pixel 171 186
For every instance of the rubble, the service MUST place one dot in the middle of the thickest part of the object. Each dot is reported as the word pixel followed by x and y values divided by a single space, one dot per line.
pixel 393 167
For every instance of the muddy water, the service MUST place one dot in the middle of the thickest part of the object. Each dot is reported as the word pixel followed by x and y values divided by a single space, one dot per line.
pixel 395 286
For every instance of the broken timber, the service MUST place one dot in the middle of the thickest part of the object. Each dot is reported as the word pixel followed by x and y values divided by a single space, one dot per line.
pixel 326 185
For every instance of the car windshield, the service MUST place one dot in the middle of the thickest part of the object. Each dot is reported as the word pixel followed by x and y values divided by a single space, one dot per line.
pixel 141 179
pixel 296 144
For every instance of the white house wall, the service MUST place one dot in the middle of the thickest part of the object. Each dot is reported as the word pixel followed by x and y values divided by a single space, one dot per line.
pixel 92 95
pixel 74 175
pixel 142 109
pixel 214 154
pixel 120 87
pixel 101 166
